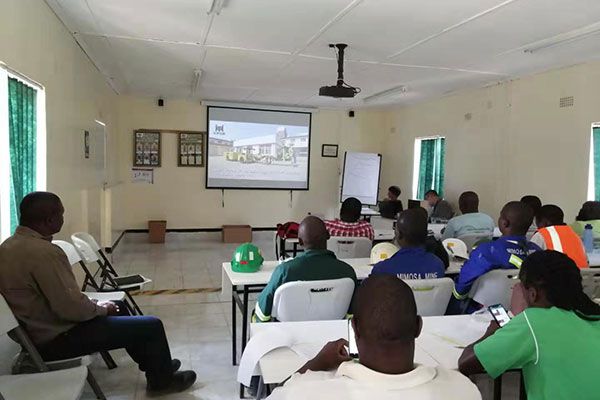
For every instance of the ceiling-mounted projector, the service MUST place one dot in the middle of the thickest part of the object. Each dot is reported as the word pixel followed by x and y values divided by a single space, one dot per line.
pixel 342 89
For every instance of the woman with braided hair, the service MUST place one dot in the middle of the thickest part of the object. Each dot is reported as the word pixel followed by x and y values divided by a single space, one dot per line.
pixel 554 337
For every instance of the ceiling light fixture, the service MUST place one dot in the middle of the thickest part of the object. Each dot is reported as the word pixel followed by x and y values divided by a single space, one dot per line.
pixel 216 7
pixel 196 81
pixel 389 93
pixel 563 38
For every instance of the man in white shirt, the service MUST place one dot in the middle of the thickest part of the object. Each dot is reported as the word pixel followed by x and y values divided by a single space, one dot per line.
pixel 471 222
pixel 386 325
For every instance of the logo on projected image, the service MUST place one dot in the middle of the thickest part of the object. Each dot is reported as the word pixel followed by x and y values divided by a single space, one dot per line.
pixel 220 130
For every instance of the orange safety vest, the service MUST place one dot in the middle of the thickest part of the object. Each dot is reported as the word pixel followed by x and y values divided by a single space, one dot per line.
pixel 564 239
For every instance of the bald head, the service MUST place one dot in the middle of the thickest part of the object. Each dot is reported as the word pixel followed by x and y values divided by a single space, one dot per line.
pixel 385 311
pixel 42 212
pixel 411 227
pixel 468 202
pixel 515 218
pixel 313 233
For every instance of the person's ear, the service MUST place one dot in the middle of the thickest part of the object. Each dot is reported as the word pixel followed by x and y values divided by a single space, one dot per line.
pixel 532 296
pixel 419 326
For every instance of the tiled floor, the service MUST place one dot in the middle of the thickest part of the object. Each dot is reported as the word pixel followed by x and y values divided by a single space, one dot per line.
pixel 198 325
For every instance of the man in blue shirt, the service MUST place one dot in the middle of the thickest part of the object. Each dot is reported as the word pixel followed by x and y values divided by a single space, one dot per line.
pixel 508 252
pixel 471 222
pixel 412 261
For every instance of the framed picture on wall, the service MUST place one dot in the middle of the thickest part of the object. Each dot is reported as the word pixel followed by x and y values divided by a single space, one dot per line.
pixel 329 150
pixel 146 148
pixel 190 149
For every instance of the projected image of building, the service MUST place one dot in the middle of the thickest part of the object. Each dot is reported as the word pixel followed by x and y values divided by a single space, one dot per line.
pixel 272 144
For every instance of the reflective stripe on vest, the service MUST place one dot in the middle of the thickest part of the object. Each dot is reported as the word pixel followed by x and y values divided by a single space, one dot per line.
pixel 564 239
pixel 516 261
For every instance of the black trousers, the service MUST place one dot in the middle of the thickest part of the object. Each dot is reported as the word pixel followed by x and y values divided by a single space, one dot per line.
pixel 143 337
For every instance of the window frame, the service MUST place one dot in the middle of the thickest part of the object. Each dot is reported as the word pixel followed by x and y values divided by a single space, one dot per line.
pixel 41 144
pixel 417 161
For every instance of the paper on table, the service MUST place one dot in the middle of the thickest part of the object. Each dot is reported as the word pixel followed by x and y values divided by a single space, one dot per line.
pixel 257 347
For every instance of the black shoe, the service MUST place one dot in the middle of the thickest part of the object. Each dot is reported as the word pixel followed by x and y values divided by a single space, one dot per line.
pixel 175 365
pixel 180 381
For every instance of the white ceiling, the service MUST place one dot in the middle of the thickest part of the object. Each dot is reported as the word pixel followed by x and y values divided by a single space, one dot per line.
pixel 276 51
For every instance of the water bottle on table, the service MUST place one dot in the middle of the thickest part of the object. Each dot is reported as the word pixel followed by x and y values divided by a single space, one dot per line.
pixel 588 239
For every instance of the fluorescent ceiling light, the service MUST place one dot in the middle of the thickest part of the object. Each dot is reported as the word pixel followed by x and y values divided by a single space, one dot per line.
pixel 563 38
pixel 393 92
pixel 216 7
pixel 196 81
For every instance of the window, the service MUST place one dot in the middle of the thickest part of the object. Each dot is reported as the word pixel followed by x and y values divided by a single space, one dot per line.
pixel 594 169
pixel 22 144
pixel 428 172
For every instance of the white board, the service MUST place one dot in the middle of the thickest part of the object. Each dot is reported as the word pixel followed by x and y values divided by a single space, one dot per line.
pixel 361 177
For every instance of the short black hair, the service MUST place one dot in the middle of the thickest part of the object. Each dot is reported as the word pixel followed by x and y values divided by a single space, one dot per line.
pixel 37 206
pixel 532 201
pixel 590 210
pixel 431 192
pixel 385 309
pixel 520 216
pixel 558 276
pixel 350 211
pixel 468 202
pixel 412 226
pixel 551 213
pixel 395 190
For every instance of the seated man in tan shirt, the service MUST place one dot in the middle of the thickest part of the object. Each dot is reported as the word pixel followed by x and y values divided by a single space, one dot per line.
pixel 37 281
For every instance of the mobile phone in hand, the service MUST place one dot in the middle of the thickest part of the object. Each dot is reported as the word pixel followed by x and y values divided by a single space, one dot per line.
pixel 352 348
pixel 500 314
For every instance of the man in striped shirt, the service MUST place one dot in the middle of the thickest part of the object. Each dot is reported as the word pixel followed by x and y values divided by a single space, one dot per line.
pixel 349 223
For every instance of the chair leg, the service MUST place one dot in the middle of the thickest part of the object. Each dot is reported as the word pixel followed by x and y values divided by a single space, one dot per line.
pixel 94 385
pixel 135 305
pixel 498 388
pixel 108 360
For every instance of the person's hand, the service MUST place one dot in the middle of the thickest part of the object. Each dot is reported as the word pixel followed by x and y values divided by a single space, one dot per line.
pixel 518 300
pixel 111 308
pixel 491 329
pixel 330 357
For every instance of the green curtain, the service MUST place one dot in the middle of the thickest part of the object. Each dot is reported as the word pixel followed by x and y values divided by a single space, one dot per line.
pixel 22 142
pixel 596 144
pixel 431 166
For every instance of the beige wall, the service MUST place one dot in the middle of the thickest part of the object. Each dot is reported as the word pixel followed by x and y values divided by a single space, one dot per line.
pixel 178 194
pixel 518 140
pixel 34 42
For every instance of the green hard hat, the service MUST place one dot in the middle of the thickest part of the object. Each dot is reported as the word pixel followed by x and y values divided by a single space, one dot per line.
pixel 246 258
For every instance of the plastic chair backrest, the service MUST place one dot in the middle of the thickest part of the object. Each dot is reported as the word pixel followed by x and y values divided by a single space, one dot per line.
pixel 313 300
pixel 350 247
pixel 86 252
pixel 495 287
pixel 590 279
pixel 475 239
pixel 8 322
pixel 431 295
pixel 457 246
pixel 89 239
pixel 69 250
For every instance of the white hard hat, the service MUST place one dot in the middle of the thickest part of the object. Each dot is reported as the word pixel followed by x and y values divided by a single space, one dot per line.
pixel 382 251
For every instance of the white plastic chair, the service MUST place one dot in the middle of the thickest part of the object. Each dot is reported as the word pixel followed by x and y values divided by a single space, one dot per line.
pixel 350 247
pixel 90 253
pixel 495 287
pixel 456 248
pixel 74 259
pixel 474 239
pixel 10 326
pixel 65 384
pixel 431 295
pixel 313 300
pixel 590 279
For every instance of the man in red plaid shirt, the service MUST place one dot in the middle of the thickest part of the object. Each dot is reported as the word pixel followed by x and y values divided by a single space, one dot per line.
pixel 349 224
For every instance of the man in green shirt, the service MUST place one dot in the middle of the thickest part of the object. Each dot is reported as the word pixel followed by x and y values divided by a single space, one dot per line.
pixel 554 337
pixel 314 264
